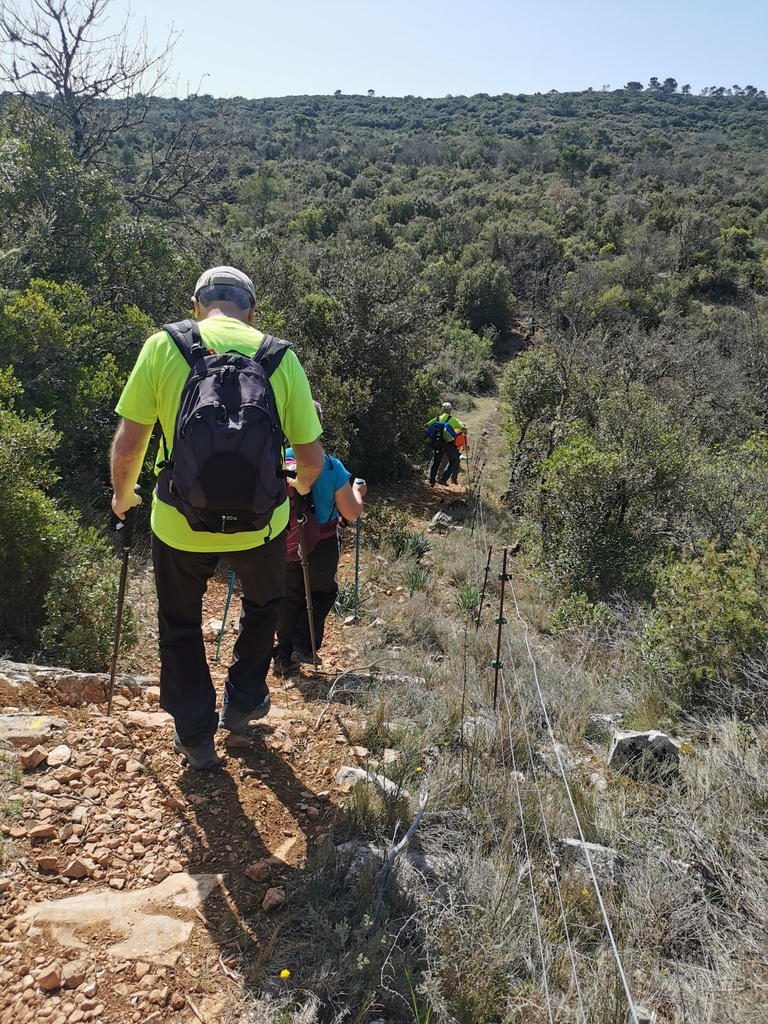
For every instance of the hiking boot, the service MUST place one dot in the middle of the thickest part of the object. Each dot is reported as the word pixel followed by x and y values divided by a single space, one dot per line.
pixel 300 658
pixel 237 721
pixel 199 757
pixel 283 671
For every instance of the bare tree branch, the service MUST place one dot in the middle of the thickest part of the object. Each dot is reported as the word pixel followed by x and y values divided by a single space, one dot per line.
pixel 92 84
pixel 184 164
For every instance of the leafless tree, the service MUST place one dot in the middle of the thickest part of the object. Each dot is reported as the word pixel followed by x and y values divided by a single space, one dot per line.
pixel 185 161
pixel 89 81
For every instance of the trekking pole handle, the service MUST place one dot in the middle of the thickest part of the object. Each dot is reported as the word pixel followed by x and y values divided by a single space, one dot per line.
pixel 291 474
pixel 301 503
pixel 125 526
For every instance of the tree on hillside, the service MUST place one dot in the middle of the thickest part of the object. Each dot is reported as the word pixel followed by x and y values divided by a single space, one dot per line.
pixel 484 297
pixel 58 54
pixel 573 160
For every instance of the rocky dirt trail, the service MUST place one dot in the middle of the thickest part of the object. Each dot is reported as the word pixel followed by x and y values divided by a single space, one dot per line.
pixel 133 889
pixel 136 891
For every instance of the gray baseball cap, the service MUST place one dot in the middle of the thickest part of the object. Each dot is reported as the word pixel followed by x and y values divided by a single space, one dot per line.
pixel 225 275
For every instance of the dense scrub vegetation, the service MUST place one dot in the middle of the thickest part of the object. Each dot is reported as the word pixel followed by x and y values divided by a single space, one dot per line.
pixel 616 243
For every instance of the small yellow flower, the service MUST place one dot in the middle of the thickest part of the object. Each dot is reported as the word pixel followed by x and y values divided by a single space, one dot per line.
pixel 285 973
pixel 419 769
pixel 585 892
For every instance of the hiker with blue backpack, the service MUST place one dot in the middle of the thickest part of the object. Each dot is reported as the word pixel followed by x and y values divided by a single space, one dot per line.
pixel 335 495
pixel 445 433
pixel 224 395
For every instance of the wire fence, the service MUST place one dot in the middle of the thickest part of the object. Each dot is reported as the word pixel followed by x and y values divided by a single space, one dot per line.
pixel 513 693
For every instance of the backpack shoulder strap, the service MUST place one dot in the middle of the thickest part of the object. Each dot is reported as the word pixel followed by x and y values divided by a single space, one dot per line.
pixel 327 464
pixel 186 335
pixel 271 352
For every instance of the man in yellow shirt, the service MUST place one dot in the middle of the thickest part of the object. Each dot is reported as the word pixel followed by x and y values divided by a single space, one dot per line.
pixel 449 449
pixel 184 559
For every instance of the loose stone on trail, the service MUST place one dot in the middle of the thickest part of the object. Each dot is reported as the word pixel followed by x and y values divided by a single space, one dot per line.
pixel 259 871
pixel 59 755
pixel 32 758
pixel 273 899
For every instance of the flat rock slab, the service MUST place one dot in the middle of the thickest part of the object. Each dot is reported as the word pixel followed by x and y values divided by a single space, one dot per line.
pixel 148 719
pixel 147 933
pixel 23 729
pixel 71 687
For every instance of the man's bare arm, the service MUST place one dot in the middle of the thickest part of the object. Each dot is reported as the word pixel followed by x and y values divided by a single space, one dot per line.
pixel 129 447
pixel 309 465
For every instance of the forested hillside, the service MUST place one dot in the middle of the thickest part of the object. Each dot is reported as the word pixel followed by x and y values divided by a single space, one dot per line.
pixel 614 243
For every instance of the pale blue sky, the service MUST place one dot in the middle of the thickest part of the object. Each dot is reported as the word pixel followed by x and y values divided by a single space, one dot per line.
pixel 431 48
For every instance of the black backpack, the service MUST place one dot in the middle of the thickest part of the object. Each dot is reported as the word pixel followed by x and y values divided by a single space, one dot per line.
pixel 225 472
pixel 436 433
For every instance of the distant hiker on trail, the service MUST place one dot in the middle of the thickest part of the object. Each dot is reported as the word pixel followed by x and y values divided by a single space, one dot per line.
pixel 446 435
pixel 228 503
pixel 333 495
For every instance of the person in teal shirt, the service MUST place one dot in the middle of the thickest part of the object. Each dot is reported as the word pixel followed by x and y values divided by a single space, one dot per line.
pixel 184 560
pixel 333 496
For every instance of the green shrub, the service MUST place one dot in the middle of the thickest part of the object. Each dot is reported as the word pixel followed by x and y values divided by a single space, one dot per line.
pixel 577 612
pixel 386 526
pixel 711 618
pixel 71 358
pixel 48 565
pixel 34 529
pixel 81 606
pixel 610 493
pixel 464 362
pixel 55 210
pixel 484 297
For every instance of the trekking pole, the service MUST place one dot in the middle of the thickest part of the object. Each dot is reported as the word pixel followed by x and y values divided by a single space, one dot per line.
pixel 301 518
pixel 224 620
pixel 125 528
pixel 357 560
